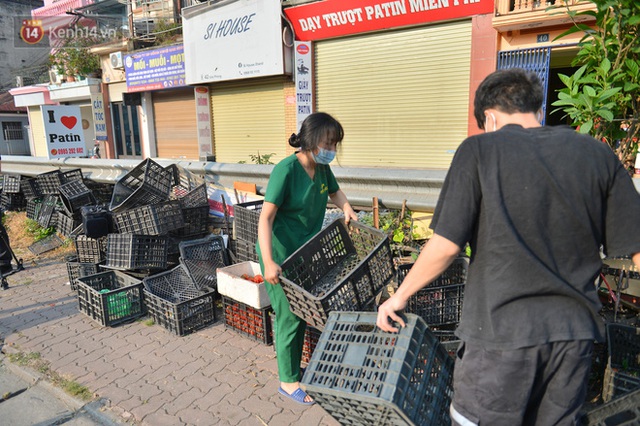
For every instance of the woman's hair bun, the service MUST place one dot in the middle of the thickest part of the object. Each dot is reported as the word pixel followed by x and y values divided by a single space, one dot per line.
pixel 294 141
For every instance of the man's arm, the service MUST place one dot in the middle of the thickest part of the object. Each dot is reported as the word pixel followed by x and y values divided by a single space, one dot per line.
pixel 435 258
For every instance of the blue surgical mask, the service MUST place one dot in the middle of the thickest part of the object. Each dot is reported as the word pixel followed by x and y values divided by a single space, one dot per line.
pixel 324 156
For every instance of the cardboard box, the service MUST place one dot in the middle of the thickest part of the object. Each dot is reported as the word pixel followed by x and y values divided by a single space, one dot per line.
pixel 231 284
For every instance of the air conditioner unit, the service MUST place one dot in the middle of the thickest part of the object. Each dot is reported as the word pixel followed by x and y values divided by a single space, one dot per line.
pixel 54 77
pixel 116 60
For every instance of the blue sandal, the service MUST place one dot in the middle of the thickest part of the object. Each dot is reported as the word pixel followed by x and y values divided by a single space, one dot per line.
pixel 298 396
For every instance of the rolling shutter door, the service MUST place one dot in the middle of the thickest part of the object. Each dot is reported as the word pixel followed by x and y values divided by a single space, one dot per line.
pixel 249 120
pixel 176 126
pixel 402 96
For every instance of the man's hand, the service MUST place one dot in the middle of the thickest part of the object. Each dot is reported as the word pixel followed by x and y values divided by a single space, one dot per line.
pixel 388 310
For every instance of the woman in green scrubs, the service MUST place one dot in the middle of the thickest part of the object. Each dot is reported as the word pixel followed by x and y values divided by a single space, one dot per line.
pixel 293 211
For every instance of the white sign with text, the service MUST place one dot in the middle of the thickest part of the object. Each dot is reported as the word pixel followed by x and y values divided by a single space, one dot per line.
pixel 236 40
pixel 63 131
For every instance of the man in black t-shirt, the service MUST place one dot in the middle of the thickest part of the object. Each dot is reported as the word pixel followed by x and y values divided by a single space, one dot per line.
pixel 536 204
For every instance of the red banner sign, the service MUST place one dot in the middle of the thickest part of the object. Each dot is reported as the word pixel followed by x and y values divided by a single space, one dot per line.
pixel 335 18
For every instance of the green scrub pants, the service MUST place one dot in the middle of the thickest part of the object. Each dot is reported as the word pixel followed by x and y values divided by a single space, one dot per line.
pixel 289 335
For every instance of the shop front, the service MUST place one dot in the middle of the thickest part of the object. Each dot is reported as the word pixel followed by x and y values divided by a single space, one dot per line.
pixel 237 51
pixel 398 75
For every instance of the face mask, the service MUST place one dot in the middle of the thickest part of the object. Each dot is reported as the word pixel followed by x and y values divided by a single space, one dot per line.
pixel 324 156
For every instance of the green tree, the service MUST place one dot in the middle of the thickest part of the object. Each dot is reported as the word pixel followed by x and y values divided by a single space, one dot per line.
pixel 603 95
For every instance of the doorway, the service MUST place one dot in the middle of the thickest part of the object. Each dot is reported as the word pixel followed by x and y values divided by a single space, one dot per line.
pixel 126 131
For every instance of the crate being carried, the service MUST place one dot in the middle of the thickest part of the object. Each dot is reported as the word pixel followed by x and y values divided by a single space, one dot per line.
pixel 622 374
pixel 342 268
pixel 110 298
pixel 362 375
pixel 147 183
pixel 174 302
pixel 440 302
pixel 202 258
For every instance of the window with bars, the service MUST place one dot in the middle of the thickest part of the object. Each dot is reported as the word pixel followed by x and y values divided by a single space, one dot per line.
pixel 12 130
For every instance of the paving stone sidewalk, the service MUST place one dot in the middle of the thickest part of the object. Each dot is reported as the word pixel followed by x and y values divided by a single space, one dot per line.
pixel 147 375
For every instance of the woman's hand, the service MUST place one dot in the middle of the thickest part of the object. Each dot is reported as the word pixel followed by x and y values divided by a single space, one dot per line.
pixel 349 214
pixel 272 272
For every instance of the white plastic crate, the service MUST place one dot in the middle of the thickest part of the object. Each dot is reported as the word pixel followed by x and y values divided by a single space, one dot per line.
pixel 231 284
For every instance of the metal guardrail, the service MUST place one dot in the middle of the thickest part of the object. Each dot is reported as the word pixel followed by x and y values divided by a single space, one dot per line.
pixel 420 188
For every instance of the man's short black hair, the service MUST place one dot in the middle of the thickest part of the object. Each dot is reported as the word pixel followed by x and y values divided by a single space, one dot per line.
pixel 510 91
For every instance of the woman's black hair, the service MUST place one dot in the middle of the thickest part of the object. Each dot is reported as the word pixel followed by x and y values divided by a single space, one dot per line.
pixel 510 90
pixel 315 129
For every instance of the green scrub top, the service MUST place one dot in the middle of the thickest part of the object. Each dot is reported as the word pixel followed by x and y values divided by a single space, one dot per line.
pixel 301 203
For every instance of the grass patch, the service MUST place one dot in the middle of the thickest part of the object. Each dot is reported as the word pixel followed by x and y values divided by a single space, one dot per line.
pixel 34 360
pixel 148 322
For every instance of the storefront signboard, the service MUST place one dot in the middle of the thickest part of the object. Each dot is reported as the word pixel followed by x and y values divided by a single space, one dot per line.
pixel 304 80
pixel 336 18
pixel 99 119
pixel 233 40
pixel 63 131
pixel 203 118
pixel 155 69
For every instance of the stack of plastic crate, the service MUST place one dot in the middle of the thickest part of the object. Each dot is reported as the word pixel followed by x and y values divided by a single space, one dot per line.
pixel 143 216
pixel 245 228
pixel 246 305
pixel 342 268
pixel 362 375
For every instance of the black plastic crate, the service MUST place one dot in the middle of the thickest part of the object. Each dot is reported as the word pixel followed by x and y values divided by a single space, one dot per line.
pixel 131 251
pixel 197 197
pixel 77 270
pixel 439 303
pixel 622 374
pixel 245 251
pixel 196 222
pixel 33 208
pixel 71 175
pixel 110 298
pixel 90 250
pixel 621 411
pixel 155 219
pixel 13 202
pixel 67 226
pixel 74 195
pixel 147 183
pixel 47 215
pixel 11 183
pixel 247 320
pixel 101 191
pixel 201 259
pixel 245 220
pixel 174 302
pixel 362 375
pixel 50 182
pixel 30 188
pixel 46 244
pixel 342 268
